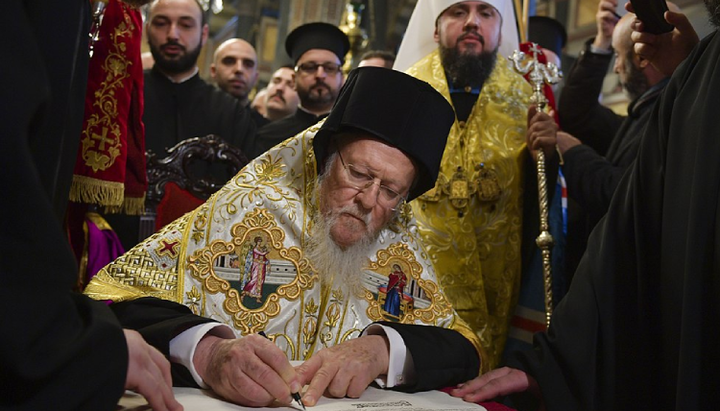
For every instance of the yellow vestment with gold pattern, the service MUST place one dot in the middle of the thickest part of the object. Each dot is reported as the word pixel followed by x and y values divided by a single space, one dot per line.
pixel 239 259
pixel 470 223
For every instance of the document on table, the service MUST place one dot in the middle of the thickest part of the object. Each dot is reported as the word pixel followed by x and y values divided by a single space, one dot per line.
pixel 373 399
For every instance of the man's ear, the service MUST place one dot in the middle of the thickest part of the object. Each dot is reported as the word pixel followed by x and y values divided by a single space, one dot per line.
pixel 213 70
pixel 436 35
pixel 205 34
pixel 640 62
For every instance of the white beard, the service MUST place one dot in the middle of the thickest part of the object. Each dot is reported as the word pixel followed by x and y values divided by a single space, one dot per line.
pixel 337 267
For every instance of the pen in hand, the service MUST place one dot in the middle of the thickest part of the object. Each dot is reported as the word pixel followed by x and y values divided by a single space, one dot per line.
pixel 295 395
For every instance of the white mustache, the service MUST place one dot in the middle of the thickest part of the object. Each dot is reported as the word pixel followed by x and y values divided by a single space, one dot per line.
pixel 354 210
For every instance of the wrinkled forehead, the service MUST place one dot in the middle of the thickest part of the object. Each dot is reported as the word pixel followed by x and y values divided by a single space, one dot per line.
pixel 285 73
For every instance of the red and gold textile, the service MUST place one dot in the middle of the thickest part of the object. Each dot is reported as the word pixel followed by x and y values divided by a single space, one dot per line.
pixel 110 166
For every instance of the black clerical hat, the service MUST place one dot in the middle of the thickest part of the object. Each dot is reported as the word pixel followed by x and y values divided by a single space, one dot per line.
pixel 401 110
pixel 548 33
pixel 316 36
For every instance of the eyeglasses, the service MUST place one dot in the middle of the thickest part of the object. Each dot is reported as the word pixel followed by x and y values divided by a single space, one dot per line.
pixel 311 68
pixel 360 180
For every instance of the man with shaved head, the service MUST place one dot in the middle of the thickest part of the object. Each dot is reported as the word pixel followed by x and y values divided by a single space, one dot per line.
pixel 234 68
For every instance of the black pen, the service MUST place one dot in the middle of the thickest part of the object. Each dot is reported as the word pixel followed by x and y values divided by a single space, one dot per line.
pixel 295 395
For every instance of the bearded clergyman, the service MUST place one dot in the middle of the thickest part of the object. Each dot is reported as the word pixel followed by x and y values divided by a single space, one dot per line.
pixel 318 225
pixel 479 222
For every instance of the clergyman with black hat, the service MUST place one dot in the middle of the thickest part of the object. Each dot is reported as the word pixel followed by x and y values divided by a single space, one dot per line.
pixel 318 52
pixel 300 245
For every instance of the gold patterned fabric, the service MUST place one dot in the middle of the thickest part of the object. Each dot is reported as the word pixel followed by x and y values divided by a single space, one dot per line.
pixel 239 259
pixel 470 223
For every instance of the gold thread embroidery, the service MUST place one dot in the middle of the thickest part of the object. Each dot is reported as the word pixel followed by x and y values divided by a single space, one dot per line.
pixel 439 306
pixel 193 300
pixel 201 265
pixel 101 138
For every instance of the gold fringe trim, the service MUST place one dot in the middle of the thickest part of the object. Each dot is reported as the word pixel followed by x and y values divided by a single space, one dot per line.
pixel 134 205
pixel 93 191
pixel 131 206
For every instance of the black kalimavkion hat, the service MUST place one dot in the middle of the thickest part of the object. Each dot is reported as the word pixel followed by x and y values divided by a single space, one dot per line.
pixel 316 36
pixel 394 107
pixel 548 33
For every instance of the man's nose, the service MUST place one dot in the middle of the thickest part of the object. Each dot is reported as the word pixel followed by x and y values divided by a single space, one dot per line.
pixel 321 73
pixel 369 195
pixel 173 32
pixel 473 20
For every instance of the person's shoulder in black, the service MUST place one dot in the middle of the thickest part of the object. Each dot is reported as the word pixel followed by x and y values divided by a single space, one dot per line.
pixel 278 131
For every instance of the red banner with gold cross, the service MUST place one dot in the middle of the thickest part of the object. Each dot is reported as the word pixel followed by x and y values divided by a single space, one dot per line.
pixel 110 166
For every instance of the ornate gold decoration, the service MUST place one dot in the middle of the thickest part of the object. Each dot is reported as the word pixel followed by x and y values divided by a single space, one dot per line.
pixel 333 314
pixel 539 75
pixel 101 138
pixel 439 306
pixel 356 35
pixel 193 300
pixel 269 182
pixel 488 184
pixel 460 188
pixel 202 269
pixel 200 224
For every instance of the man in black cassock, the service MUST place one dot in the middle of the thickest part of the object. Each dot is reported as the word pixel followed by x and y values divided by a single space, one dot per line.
pixel 59 350
pixel 638 329
pixel 318 51
pixel 178 103
pixel 606 143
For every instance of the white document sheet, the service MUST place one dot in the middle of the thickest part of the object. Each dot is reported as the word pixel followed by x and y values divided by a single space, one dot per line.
pixel 374 399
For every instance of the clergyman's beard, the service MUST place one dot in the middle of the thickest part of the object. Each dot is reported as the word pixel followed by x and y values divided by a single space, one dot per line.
pixel 713 8
pixel 335 265
pixel 467 69
pixel 636 84
pixel 312 100
pixel 182 64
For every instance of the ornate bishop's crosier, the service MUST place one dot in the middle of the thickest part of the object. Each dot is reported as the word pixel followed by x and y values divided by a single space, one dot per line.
pixel 538 75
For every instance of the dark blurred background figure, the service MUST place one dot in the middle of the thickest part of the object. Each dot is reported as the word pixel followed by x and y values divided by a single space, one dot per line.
pixel 60 350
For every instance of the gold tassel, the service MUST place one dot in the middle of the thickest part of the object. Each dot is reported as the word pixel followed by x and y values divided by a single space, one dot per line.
pixel 134 205
pixel 93 191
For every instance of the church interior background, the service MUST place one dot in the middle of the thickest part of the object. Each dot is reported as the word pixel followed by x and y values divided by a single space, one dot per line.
pixel 380 24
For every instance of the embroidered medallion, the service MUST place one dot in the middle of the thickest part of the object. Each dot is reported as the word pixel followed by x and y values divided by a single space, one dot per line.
pixel 254 271
pixel 488 183
pixel 401 294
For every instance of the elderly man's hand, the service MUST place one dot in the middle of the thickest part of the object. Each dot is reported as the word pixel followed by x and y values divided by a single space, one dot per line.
pixel 249 371
pixel 665 51
pixel 541 132
pixel 345 369
pixel 149 373
pixel 605 20
pixel 502 381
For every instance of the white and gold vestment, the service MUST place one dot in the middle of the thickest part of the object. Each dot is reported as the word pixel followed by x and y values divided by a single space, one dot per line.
pixel 253 231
